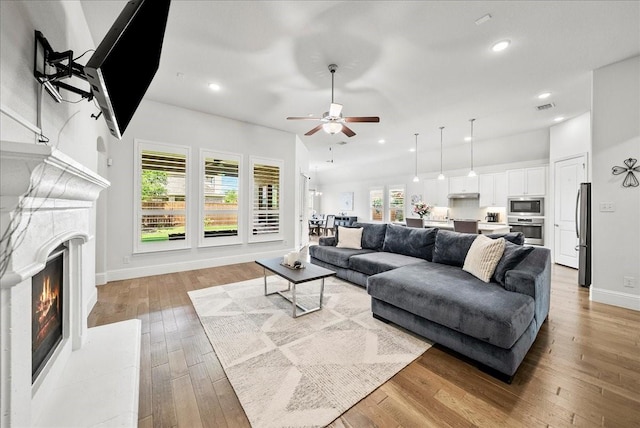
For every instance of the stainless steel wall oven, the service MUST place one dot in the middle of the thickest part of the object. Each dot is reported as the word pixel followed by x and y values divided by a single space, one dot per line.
pixel 531 227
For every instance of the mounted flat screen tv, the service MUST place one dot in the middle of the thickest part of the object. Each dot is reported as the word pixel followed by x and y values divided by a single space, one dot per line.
pixel 124 64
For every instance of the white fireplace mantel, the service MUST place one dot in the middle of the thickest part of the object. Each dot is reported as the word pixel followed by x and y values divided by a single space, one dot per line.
pixel 48 199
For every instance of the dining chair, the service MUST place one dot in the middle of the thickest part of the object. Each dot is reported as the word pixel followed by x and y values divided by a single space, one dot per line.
pixel 329 224
pixel 414 222
pixel 465 226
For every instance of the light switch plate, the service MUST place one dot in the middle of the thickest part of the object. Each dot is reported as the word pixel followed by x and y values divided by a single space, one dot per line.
pixel 607 207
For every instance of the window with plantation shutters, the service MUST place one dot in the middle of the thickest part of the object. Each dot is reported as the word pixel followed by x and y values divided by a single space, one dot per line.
pixel 376 207
pixel 396 203
pixel 161 192
pixel 220 194
pixel 266 200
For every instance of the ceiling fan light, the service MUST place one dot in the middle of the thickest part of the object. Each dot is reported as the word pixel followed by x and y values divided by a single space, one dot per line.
pixel 332 127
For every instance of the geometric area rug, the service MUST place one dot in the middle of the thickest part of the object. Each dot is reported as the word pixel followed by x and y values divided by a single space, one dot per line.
pixel 307 371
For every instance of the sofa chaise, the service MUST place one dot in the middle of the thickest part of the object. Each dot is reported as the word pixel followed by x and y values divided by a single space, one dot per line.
pixel 416 280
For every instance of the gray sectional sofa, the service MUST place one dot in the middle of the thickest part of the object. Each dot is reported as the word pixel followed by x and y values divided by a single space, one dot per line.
pixel 415 280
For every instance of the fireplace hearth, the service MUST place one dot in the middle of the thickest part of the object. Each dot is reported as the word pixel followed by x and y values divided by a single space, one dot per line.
pixel 47 315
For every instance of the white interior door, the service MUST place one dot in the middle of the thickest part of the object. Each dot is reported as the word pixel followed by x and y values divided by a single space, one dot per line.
pixel 568 174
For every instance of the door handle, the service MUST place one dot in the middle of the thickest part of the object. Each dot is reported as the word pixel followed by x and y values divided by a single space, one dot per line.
pixel 577 206
pixel 556 225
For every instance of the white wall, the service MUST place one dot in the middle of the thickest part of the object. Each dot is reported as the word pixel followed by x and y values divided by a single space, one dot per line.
pixel 567 139
pixel 69 127
pixel 615 137
pixel 163 123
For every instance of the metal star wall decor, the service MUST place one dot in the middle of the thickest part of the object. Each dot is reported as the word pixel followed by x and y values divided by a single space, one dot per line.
pixel 630 180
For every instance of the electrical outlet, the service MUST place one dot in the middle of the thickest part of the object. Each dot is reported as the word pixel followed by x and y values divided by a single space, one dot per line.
pixel 629 282
pixel 126 260
pixel 607 207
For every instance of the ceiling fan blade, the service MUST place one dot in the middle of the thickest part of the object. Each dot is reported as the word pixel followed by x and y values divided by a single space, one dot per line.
pixel 335 110
pixel 314 130
pixel 362 119
pixel 303 118
pixel 347 131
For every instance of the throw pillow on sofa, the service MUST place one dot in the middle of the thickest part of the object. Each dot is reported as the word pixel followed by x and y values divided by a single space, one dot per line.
pixel 349 237
pixel 514 237
pixel 372 235
pixel 451 248
pixel 513 255
pixel 483 257
pixel 410 241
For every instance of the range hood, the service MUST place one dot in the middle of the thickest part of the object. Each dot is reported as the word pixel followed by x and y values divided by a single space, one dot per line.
pixel 463 195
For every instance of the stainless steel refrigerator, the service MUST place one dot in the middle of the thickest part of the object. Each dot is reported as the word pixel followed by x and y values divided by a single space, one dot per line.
pixel 583 230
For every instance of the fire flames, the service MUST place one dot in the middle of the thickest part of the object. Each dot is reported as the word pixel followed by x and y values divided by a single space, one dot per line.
pixel 47 316
pixel 48 298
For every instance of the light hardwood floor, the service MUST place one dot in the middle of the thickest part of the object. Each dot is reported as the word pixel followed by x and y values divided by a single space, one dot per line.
pixel 583 369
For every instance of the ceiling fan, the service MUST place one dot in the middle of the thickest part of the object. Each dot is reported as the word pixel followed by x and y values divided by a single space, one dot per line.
pixel 332 120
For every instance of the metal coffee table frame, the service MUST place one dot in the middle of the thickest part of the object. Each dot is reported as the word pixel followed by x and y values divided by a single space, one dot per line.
pixel 295 277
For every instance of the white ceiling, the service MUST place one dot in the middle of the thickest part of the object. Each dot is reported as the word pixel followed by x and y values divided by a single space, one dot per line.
pixel 418 65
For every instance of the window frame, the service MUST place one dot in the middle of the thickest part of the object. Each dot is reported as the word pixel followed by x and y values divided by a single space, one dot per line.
pixel 220 240
pixel 269 237
pixel 404 202
pixel 140 247
pixel 381 191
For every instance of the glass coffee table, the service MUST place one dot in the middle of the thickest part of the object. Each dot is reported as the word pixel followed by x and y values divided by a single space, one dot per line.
pixel 294 277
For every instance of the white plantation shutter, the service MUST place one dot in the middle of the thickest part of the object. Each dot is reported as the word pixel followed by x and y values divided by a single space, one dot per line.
pixel 266 210
pixel 161 191
pixel 220 192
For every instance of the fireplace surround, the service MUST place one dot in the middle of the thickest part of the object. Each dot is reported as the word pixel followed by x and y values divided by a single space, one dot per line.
pixel 47 200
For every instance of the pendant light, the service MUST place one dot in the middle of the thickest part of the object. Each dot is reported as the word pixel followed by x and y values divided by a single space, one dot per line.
pixel 441 175
pixel 472 173
pixel 416 178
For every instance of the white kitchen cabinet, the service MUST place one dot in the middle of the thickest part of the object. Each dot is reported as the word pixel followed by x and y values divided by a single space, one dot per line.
pixel 493 190
pixel 463 184
pixel 527 181
pixel 436 192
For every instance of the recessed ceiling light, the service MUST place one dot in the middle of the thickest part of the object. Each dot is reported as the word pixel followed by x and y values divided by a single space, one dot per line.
pixel 483 19
pixel 544 95
pixel 214 87
pixel 467 138
pixel 558 119
pixel 381 141
pixel 501 45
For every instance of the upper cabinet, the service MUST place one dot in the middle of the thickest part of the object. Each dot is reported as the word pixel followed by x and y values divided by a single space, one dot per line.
pixel 527 181
pixel 493 190
pixel 436 192
pixel 463 184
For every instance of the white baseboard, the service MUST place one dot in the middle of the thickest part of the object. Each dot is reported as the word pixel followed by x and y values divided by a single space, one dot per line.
pixel 138 272
pixel 615 298
pixel 101 278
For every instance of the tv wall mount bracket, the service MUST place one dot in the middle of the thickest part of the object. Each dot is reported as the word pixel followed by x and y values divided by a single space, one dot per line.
pixel 65 68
